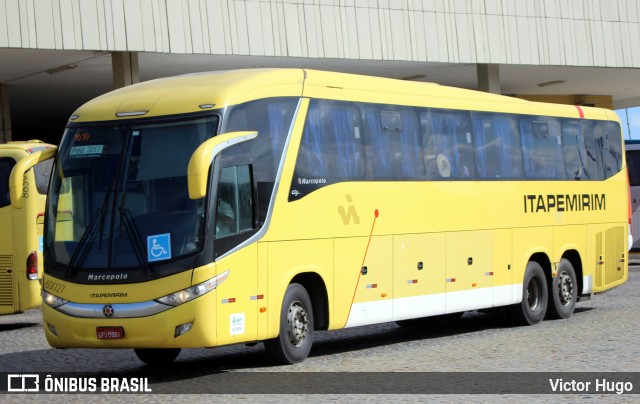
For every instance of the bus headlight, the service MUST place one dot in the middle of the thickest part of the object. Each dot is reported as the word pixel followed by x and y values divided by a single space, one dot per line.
pixel 52 300
pixel 188 294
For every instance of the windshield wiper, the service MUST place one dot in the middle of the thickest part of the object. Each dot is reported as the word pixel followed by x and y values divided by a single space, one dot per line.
pixel 82 249
pixel 77 258
pixel 136 243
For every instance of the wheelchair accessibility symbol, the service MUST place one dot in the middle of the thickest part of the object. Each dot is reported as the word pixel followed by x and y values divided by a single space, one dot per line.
pixel 159 247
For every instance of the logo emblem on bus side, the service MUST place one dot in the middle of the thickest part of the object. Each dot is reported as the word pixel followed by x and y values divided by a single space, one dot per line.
pixel 108 311
pixel 348 214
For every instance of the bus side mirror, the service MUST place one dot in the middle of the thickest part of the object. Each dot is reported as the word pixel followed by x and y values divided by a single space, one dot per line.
pixel 21 167
pixel 201 159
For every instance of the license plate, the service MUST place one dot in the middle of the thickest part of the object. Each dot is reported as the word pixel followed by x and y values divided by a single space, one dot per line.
pixel 110 332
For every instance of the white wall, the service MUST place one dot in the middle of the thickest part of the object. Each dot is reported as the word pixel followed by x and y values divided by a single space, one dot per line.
pixel 541 32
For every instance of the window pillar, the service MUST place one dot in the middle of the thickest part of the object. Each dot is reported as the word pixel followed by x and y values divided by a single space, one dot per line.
pixel 488 78
pixel 5 115
pixel 125 67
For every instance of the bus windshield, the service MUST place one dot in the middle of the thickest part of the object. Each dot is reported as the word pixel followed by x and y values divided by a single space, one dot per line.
pixel 119 196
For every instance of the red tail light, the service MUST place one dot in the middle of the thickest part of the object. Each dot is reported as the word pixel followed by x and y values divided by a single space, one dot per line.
pixel 32 266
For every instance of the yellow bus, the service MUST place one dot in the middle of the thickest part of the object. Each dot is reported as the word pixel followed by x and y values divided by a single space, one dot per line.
pixel 632 148
pixel 264 205
pixel 21 224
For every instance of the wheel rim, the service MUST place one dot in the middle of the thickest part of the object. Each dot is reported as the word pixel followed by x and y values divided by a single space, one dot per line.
pixel 534 294
pixel 297 324
pixel 565 288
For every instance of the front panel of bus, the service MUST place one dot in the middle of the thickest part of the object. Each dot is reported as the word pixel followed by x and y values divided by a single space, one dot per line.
pixel 131 260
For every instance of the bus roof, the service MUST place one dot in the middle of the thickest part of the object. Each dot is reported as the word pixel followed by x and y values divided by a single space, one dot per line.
pixel 204 91
pixel 191 93
pixel 29 146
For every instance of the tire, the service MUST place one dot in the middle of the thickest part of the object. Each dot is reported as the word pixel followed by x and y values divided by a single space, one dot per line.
pixel 533 307
pixel 564 292
pixel 294 341
pixel 157 356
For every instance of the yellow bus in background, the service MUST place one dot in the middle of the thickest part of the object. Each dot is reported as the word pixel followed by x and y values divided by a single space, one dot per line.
pixel 21 224
pixel 264 205
pixel 632 148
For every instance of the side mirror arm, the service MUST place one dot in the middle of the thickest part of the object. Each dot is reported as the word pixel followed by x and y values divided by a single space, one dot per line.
pixel 21 167
pixel 201 159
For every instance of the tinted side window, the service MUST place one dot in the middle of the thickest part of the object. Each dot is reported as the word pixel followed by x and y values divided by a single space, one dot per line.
pixel 272 118
pixel 574 150
pixel 392 143
pixel 331 148
pixel 612 147
pixel 593 140
pixel 447 143
pixel 498 152
pixel 542 151
pixel 6 165
pixel 234 212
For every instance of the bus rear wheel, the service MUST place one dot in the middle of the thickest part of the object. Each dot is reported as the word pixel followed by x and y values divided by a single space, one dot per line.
pixel 157 356
pixel 294 341
pixel 533 307
pixel 564 291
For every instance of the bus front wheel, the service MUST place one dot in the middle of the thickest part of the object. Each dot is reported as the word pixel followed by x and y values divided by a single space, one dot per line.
pixel 294 341
pixel 157 356
pixel 533 307
pixel 564 291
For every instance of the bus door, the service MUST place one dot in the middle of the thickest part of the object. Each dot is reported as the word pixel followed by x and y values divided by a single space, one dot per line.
pixel 238 298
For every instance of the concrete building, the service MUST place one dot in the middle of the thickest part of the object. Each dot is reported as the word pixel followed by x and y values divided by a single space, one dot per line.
pixel 56 54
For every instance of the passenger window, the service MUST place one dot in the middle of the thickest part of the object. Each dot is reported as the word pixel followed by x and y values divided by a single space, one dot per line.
pixel 234 213
pixel 447 144
pixel 593 142
pixel 498 151
pixel 6 165
pixel 392 144
pixel 612 148
pixel 331 148
pixel 581 161
pixel 542 148
pixel 331 143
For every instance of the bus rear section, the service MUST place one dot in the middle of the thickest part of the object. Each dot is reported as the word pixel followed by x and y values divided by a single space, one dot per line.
pixel 22 227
